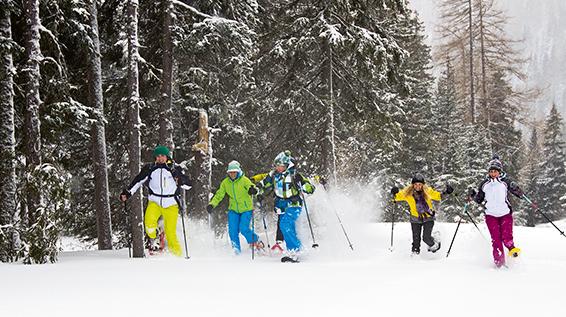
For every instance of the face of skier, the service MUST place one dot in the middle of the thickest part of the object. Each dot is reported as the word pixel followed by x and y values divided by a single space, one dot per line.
pixel 161 159
pixel 493 173
pixel 233 175
pixel 418 186
pixel 280 168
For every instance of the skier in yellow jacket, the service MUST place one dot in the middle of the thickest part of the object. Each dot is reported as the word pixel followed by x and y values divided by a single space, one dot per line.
pixel 419 196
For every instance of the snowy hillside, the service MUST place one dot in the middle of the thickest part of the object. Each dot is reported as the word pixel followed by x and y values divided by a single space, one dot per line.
pixel 331 281
pixel 540 25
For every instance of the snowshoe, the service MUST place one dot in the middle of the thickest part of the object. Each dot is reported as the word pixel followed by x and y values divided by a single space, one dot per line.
pixel 288 259
pixel 156 245
pixel 435 247
pixel 259 247
pixel 514 252
pixel 277 247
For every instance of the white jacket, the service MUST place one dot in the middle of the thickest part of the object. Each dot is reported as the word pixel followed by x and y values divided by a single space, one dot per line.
pixel 161 183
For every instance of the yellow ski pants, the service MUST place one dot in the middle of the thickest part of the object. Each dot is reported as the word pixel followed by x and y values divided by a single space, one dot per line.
pixel 152 214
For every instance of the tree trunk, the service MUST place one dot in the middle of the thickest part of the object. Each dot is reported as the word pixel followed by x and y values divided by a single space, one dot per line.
pixel 136 218
pixel 7 143
pixel 484 101
pixel 472 90
pixel 101 199
pixel 166 112
pixel 33 102
pixel 203 168
pixel 328 146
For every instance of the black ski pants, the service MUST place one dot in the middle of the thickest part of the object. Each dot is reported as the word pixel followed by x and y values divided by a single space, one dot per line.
pixel 426 229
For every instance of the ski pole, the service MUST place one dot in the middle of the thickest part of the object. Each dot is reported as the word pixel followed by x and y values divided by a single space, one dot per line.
pixel 471 218
pixel 339 220
pixel 182 212
pixel 314 244
pixel 457 227
pixel 253 236
pixel 264 223
pixel 543 214
pixel 392 222
pixel 129 231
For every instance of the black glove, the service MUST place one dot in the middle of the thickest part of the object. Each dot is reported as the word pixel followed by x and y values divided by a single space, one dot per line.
pixel 299 180
pixel 209 208
pixel 472 193
pixel 125 193
pixel 394 190
pixel 252 190
pixel 449 190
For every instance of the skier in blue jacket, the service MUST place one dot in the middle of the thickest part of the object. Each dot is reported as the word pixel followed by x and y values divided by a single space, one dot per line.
pixel 287 185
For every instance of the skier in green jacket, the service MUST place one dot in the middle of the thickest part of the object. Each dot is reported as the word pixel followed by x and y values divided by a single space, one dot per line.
pixel 240 190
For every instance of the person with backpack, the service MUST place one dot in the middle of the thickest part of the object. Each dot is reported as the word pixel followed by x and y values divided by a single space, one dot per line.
pixel 419 196
pixel 278 246
pixel 287 184
pixel 164 180
pixel 493 193
pixel 240 190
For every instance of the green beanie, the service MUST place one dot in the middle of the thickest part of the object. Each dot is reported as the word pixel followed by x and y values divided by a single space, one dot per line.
pixel 161 150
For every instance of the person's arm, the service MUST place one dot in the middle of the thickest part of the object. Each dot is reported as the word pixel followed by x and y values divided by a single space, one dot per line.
pixel 480 195
pixel 259 177
pixel 183 180
pixel 433 194
pixel 400 195
pixel 137 182
pixel 304 184
pixel 219 195
pixel 514 188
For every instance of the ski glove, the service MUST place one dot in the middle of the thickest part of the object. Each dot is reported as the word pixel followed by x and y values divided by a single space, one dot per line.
pixel 449 190
pixel 394 190
pixel 125 193
pixel 209 208
pixel 252 190
pixel 472 193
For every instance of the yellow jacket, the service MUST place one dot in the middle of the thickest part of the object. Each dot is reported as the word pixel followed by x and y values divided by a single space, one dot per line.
pixel 431 195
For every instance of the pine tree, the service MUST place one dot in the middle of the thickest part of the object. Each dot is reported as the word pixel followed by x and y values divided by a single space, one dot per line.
pixel 531 180
pixel 553 169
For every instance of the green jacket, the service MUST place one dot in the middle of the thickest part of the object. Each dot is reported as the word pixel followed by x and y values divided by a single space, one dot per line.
pixel 237 190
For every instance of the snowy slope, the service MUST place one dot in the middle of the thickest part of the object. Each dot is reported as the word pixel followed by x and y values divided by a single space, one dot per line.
pixel 331 281
pixel 541 26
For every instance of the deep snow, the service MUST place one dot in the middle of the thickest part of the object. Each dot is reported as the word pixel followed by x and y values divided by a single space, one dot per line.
pixel 331 281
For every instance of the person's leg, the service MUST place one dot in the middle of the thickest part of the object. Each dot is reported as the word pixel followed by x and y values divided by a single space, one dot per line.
pixel 279 236
pixel 170 215
pixel 416 228
pixel 288 223
pixel 234 230
pixel 245 230
pixel 493 225
pixel 507 231
pixel 152 214
pixel 427 233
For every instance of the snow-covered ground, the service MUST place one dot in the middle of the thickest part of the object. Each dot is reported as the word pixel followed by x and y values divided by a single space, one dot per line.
pixel 331 281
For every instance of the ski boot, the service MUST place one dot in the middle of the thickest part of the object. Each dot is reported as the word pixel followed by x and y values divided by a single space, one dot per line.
pixel 415 251
pixel 514 252
pixel 435 247
pixel 290 257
